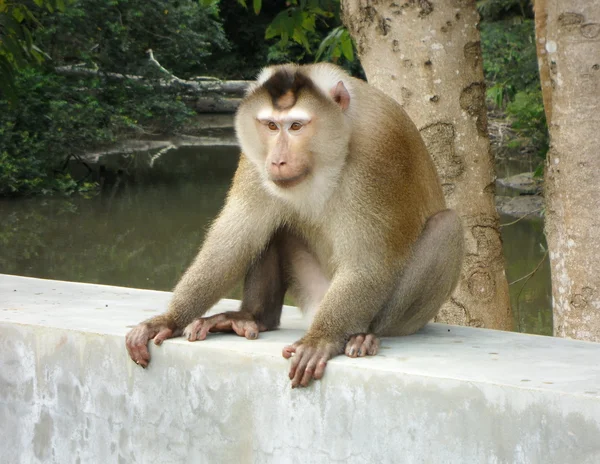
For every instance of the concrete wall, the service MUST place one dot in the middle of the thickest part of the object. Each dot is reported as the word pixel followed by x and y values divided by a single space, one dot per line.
pixel 70 394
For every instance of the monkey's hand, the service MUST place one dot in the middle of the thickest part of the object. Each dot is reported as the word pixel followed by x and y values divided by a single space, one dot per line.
pixel 243 324
pixel 309 359
pixel 158 328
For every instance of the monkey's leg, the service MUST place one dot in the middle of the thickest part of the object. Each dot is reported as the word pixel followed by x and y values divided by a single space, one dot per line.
pixel 264 289
pixel 308 282
pixel 428 279
pixel 426 282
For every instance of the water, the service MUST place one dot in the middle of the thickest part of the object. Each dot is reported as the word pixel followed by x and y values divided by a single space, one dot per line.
pixel 142 231
pixel 524 246
pixel 147 224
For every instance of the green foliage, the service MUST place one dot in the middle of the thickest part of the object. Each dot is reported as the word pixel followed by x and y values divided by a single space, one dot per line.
pixel 56 121
pixel 59 118
pixel 296 23
pixel 114 36
pixel 511 70
pixel 338 43
pixel 509 58
pixel 529 121
pixel 306 30
pixel 17 48
pixel 495 10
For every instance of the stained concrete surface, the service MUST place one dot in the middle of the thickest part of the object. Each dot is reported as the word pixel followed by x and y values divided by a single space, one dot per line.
pixel 69 392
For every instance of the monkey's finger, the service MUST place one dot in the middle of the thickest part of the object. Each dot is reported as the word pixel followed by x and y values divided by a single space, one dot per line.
pixel 320 370
pixel 295 361
pixel 136 343
pixel 300 369
pixel 238 328
pixel 371 345
pixel 250 330
pixel 247 329
pixel 141 355
pixel 354 345
pixel 221 326
pixel 309 371
pixel 204 329
pixel 162 335
pixel 289 350
pixel 216 323
pixel 191 330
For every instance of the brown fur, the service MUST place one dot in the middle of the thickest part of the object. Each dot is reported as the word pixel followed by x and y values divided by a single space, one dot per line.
pixel 369 217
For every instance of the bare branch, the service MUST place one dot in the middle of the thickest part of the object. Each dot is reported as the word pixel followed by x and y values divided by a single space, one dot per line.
pixel 164 70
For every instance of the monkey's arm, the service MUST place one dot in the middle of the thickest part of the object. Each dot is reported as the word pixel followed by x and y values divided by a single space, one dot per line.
pixel 265 285
pixel 238 235
pixel 349 306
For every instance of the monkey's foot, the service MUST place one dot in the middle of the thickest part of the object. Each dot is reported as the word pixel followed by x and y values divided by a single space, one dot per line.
pixel 308 361
pixel 361 345
pixel 242 324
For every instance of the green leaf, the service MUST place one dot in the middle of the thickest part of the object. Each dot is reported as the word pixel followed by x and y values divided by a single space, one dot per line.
pixel 299 36
pixel 15 51
pixel 347 47
pixel 336 44
pixel 18 14
pixel 257 4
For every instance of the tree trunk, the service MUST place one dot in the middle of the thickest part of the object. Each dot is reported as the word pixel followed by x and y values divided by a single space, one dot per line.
pixel 568 36
pixel 427 55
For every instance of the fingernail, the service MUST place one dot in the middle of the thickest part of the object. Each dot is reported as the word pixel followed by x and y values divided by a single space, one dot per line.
pixel 359 352
pixel 352 350
pixel 252 335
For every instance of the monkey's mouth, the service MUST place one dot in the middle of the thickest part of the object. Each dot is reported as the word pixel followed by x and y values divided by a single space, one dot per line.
pixel 288 182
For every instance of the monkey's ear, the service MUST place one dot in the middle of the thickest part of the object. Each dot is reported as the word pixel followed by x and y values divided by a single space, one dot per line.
pixel 340 95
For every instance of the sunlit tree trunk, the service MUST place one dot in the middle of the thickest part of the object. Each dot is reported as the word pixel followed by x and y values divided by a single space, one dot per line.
pixel 568 40
pixel 427 55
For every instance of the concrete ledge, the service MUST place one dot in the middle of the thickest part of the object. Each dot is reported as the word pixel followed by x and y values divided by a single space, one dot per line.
pixel 70 394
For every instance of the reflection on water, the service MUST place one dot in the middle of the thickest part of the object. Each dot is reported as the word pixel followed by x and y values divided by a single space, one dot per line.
pixel 142 231
pixel 146 226
pixel 524 247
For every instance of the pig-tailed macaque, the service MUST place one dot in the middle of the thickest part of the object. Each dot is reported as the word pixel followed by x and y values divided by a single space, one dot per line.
pixel 336 201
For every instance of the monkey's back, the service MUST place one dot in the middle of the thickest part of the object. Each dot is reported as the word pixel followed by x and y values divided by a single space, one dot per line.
pixel 389 160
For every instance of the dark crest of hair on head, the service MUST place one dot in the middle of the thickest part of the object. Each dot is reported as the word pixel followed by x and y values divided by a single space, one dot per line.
pixel 284 87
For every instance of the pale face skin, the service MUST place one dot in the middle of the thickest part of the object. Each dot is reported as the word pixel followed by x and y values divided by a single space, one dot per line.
pixel 285 133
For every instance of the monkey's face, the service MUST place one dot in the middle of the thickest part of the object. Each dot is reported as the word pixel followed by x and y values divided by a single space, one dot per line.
pixel 296 133
pixel 287 137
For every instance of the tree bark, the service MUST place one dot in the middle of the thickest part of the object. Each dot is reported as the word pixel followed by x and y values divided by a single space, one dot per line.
pixel 427 55
pixel 568 36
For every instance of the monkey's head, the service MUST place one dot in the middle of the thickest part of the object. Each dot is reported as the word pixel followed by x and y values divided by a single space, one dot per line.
pixel 293 125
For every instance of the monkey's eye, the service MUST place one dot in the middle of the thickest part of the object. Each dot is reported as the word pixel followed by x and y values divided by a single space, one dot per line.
pixel 272 126
pixel 296 126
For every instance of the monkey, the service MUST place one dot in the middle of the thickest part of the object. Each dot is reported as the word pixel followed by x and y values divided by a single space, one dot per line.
pixel 335 201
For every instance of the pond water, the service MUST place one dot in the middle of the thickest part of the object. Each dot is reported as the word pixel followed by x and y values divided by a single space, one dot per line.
pixel 145 227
